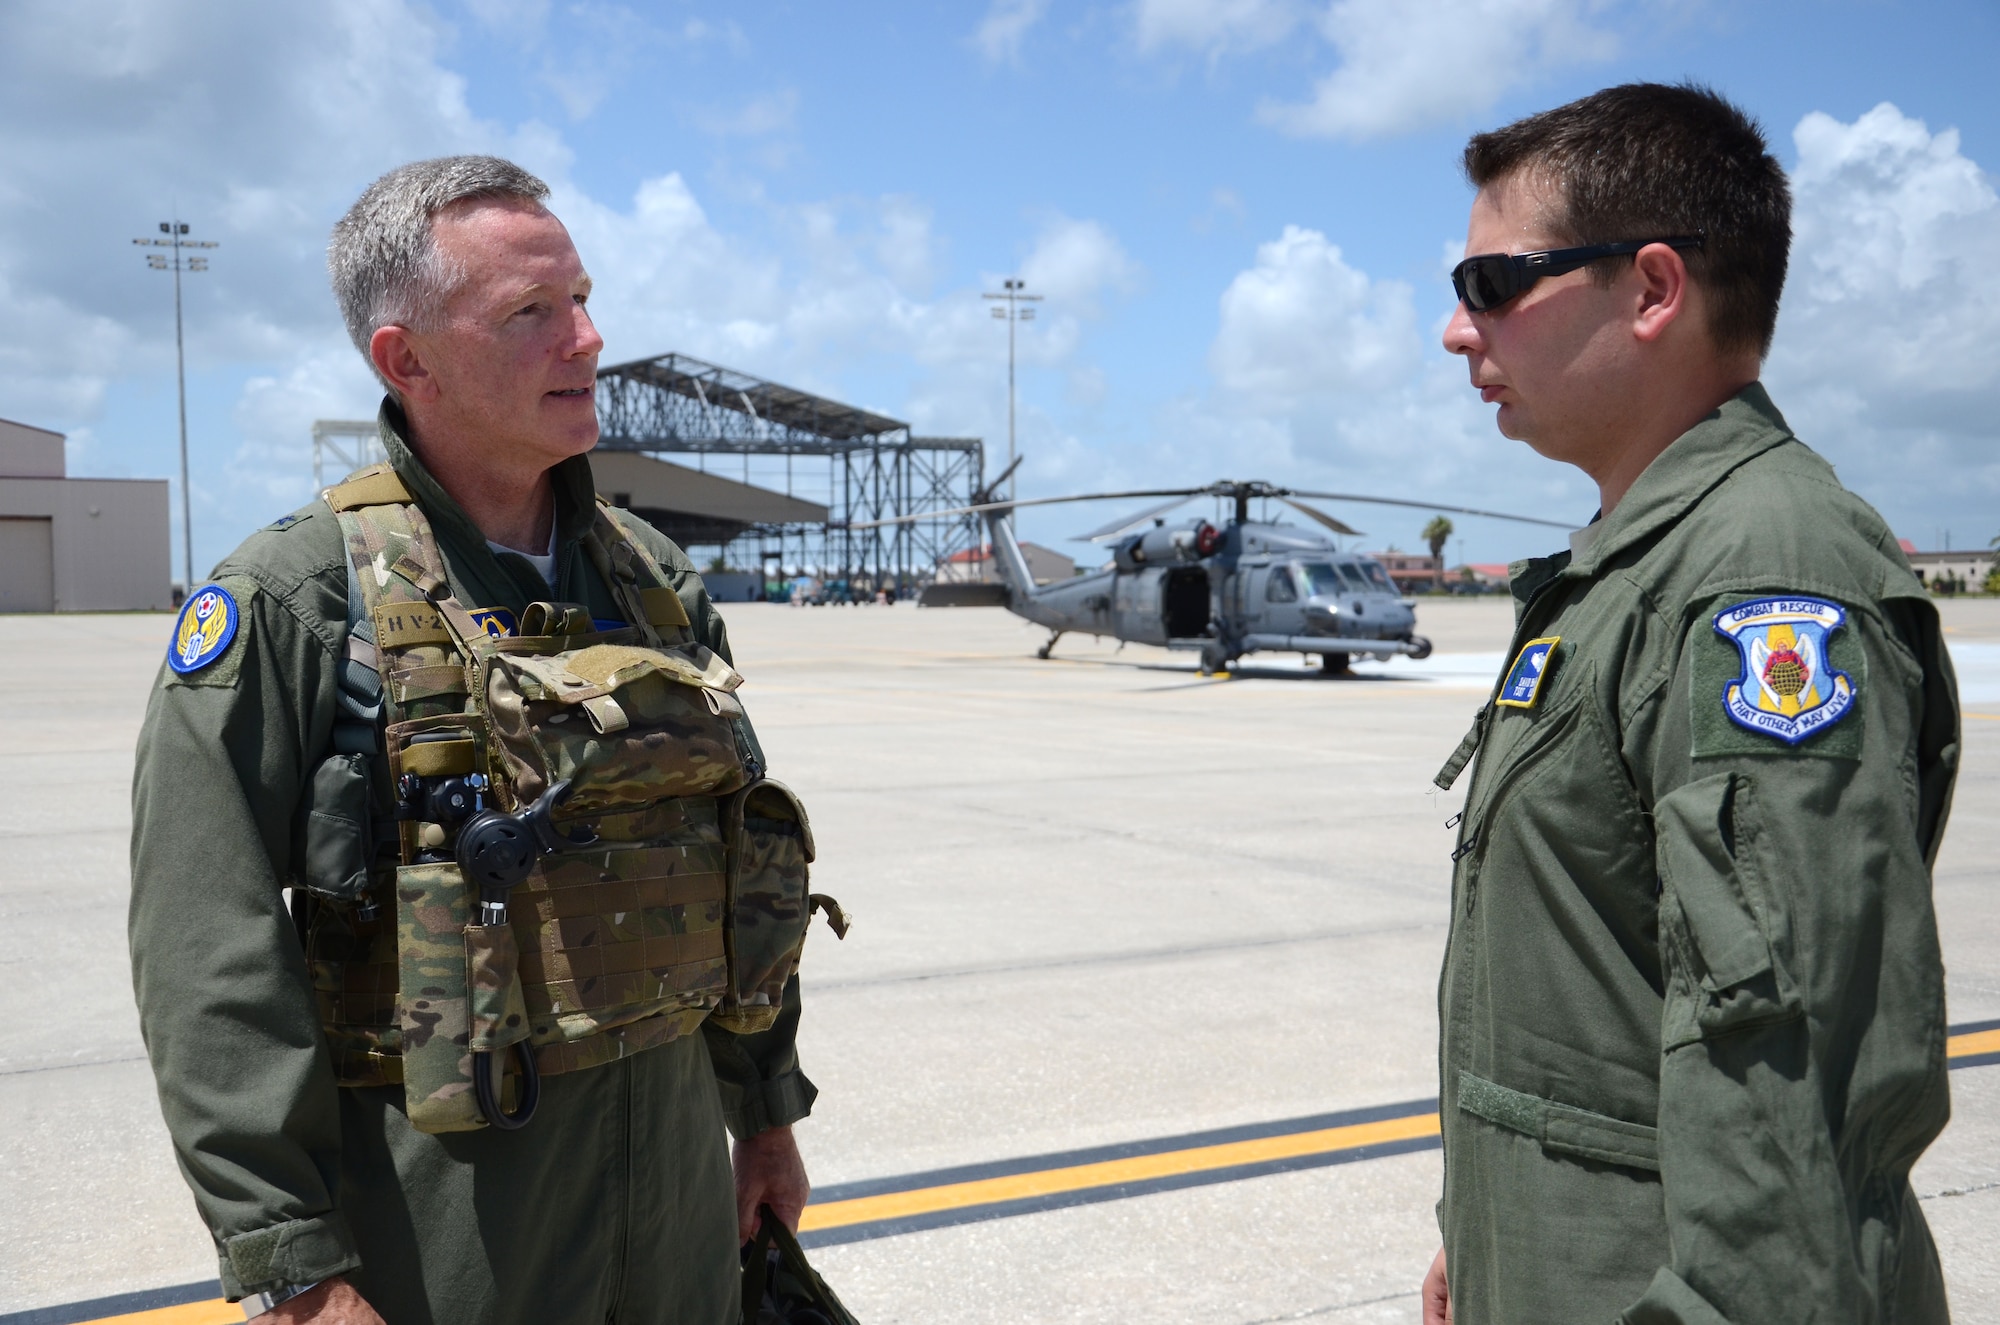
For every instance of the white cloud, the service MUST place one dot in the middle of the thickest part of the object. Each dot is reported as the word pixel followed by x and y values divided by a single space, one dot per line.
pixel 266 124
pixel 1005 27
pixel 1408 64
pixel 1304 323
pixel 764 114
pixel 1213 26
pixel 1884 356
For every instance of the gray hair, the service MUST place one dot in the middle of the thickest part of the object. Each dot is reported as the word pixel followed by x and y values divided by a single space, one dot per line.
pixel 383 257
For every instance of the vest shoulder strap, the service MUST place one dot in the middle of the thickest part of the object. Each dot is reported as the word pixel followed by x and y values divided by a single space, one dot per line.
pixel 377 485
pixel 635 575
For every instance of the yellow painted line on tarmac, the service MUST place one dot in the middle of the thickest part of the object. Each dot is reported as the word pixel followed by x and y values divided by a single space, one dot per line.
pixel 1976 1042
pixel 216 1312
pixel 1054 1182
pixel 1110 1173
pixel 1987 717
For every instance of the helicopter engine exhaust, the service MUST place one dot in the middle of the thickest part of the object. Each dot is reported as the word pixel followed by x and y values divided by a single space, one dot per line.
pixel 1166 547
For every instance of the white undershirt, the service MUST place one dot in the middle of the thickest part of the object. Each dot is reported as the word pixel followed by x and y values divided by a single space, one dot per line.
pixel 545 563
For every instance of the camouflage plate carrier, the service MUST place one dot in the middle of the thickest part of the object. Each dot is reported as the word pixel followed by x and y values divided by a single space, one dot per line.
pixel 669 877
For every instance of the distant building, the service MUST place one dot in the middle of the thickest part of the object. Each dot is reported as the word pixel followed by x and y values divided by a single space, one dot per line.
pixel 1412 571
pixel 1486 574
pixel 976 565
pixel 1951 572
pixel 77 544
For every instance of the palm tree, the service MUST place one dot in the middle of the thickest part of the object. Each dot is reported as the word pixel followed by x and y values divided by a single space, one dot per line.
pixel 1435 533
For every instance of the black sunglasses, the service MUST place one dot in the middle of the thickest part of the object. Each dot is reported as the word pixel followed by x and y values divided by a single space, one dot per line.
pixel 1488 280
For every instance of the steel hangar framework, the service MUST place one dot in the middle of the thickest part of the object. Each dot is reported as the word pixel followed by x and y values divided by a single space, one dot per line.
pixel 873 468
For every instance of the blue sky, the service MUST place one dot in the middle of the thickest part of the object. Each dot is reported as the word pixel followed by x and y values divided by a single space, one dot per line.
pixel 1239 212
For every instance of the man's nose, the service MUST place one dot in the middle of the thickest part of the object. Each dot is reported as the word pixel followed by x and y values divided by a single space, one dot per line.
pixel 1461 336
pixel 585 331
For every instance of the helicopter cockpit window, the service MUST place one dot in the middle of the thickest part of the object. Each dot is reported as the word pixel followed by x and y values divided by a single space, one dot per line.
pixel 1357 582
pixel 1321 580
pixel 1279 589
pixel 1379 577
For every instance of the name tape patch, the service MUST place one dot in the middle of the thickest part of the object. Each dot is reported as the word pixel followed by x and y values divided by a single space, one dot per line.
pixel 1523 685
pixel 1788 690
pixel 207 624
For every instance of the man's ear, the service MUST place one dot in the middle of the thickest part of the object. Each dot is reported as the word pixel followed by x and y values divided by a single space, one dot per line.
pixel 1664 291
pixel 400 360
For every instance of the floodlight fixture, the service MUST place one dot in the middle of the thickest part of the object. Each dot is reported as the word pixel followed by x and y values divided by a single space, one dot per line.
pixel 1014 294
pixel 176 231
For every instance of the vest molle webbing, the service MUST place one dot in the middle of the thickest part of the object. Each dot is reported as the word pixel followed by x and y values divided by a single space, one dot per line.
pixel 610 948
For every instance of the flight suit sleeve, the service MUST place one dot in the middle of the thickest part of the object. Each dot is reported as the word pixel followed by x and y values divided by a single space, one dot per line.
pixel 762 1085
pixel 225 1001
pixel 1803 1065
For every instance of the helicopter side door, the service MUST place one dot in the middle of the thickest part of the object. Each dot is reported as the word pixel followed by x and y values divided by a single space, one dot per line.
pixel 1280 607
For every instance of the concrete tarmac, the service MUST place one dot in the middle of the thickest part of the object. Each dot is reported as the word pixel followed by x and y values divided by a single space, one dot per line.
pixel 1099 899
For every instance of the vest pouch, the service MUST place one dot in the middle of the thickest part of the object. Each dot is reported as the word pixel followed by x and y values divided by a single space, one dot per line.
pixel 770 846
pixel 339 847
pixel 497 1014
pixel 434 1005
pixel 627 727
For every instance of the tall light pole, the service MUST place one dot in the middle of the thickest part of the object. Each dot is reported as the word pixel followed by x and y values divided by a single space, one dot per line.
pixel 1015 296
pixel 175 232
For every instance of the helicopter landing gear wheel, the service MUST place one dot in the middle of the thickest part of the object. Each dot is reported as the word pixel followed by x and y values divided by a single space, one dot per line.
pixel 1212 659
pixel 1333 664
pixel 1043 652
pixel 1420 648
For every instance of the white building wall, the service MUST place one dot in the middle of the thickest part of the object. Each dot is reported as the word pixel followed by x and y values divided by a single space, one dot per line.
pixel 108 536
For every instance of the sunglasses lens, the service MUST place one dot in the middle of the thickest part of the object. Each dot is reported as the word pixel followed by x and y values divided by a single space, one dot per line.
pixel 1485 282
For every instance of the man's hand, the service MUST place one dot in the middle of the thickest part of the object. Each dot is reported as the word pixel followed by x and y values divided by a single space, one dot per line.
pixel 334 1302
pixel 1437 1294
pixel 769 1172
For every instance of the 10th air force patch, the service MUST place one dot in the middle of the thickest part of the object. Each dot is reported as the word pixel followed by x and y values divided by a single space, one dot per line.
pixel 1788 688
pixel 207 624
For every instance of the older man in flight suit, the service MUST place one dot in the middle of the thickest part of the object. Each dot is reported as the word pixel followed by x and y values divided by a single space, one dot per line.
pixel 1692 1004
pixel 327 1202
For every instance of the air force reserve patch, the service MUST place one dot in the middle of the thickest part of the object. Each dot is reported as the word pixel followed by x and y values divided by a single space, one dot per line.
pixel 1523 685
pixel 208 622
pixel 1788 688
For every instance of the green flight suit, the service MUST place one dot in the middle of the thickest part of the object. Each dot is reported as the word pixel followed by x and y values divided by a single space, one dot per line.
pixel 614 1204
pixel 1692 1007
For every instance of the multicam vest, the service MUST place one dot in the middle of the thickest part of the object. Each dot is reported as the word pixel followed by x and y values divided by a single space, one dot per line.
pixel 688 902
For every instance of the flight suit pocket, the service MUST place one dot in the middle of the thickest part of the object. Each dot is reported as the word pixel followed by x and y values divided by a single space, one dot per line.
pixel 1716 917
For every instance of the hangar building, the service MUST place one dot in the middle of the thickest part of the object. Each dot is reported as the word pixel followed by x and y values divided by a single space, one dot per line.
pixel 77 544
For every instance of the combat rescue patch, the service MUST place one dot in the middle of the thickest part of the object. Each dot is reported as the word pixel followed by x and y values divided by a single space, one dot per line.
pixel 1523 685
pixel 1781 682
pixel 1788 688
pixel 207 624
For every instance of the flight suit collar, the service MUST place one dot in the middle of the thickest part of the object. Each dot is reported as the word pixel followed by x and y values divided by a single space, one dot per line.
pixel 496 581
pixel 1741 428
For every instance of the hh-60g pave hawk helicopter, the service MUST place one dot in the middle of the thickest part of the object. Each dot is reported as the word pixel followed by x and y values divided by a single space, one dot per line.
pixel 1240 588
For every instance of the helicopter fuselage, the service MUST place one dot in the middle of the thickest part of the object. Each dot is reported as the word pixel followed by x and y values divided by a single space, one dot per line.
pixel 1240 589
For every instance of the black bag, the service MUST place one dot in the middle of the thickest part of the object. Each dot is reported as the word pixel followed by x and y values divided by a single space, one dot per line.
pixel 779 1288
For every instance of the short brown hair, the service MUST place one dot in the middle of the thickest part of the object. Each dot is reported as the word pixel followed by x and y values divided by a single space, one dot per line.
pixel 1649 160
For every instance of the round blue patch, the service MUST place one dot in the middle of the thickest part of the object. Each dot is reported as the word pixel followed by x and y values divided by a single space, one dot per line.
pixel 207 624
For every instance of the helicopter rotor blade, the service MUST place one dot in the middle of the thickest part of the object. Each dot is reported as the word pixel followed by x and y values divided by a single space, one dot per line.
pixel 1004 475
pixel 1338 527
pixel 1431 506
pixel 1025 501
pixel 1127 521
